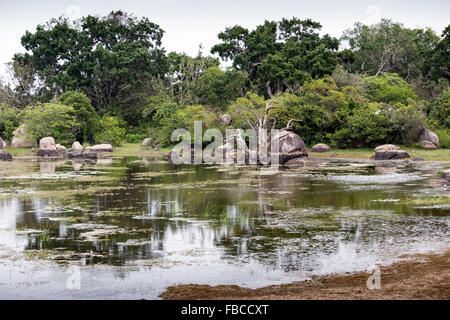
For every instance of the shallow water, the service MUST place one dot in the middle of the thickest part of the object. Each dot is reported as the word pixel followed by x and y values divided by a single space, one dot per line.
pixel 137 225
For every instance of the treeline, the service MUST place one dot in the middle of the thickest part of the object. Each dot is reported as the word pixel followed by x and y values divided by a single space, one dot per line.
pixel 108 79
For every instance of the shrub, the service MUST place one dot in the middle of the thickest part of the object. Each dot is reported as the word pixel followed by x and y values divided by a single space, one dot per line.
pixel 408 120
pixel 9 121
pixel 440 110
pixel 111 131
pixel 389 88
pixel 51 119
pixel 84 112
pixel 444 137
pixel 134 137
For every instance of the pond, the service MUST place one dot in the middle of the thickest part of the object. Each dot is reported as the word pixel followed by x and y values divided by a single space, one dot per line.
pixel 133 226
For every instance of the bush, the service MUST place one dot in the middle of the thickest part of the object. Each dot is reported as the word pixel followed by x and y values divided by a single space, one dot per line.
pixel 444 137
pixel 85 114
pixel 364 128
pixel 9 121
pixel 51 119
pixel 134 137
pixel 408 120
pixel 389 88
pixel 111 131
pixel 440 110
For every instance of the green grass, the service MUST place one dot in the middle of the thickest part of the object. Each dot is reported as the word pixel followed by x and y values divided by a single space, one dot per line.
pixel 366 153
pixel 18 151
pixel 135 149
pixel 427 201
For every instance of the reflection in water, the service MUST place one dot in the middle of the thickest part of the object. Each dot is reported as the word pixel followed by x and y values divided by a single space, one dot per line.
pixel 333 216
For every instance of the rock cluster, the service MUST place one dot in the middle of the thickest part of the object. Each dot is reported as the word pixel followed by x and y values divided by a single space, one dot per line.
pixel 390 152
pixel 429 140
pixel 48 148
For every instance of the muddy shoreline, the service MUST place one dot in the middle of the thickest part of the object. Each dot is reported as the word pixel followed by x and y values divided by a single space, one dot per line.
pixel 423 276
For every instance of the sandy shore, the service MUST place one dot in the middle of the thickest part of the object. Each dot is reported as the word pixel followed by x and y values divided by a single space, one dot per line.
pixel 422 277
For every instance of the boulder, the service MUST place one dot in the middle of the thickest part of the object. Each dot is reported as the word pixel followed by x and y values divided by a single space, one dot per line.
pixel 290 146
pixel 386 147
pixel 2 145
pixel 47 143
pixel 289 142
pixel 146 143
pixel 77 146
pixel 430 136
pixel 320 147
pixel 5 156
pixel 75 153
pixel 446 175
pixel 391 155
pixel 225 120
pixel 60 148
pixel 427 145
pixel 20 139
pixel 101 148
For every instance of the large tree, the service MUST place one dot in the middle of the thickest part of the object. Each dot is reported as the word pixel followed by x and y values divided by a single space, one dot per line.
pixel 110 58
pixel 281 55
pixel 388 47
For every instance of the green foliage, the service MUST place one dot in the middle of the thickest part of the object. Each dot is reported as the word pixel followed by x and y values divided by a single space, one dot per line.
pixel 246 108
pixel 134 137
pixel 217 88
pixel 444 137
pixel 111 130
pixel 51 119
pixel 364 128
pixel 85 113
pixel 440 110
pixel 438 62
pixel 279 56
pixel 408 120
pixel 389 88
pixel 9 121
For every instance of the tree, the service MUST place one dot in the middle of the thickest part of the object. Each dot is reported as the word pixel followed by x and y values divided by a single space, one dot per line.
pixel 440 110
pixel 388 47
pixel 217 88
pixel 51 119
pixel 85 113
pixel 111 59
pixel 111 130
pixel 278 56
pixel 439 59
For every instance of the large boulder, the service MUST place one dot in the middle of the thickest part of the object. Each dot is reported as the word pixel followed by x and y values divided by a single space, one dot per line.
pixel 47 143
pixel 47 147
pixel 390 152
pixel 77 146
pixel 101 148
pixel 428 136
pixel 20 139
pixel 290 146
pixel 147 142
pixel 225 120
pixel 320 147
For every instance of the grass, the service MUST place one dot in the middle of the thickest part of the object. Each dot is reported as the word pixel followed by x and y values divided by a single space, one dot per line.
pixel 18 151
pixel 366 153
pixel 428 201
pixel 135 149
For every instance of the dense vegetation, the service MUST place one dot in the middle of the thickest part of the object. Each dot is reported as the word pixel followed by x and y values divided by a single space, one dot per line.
pixel 108 79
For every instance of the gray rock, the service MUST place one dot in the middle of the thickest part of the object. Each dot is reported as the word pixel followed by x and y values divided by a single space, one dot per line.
pixel 320 147
pixel 20 139
pixel 428 135
pixel 77 146
pixel 428 145
pixel 290 146
pixel 446 175
pixel 225 120
pixel 5 156
pixel 101 148
pixel 48 153
pixel 47 143
pixel 391 155
pixel 146 143
pixel 386 147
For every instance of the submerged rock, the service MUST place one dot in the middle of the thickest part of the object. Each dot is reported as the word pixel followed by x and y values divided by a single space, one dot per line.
pixel 320 147
pixel 429 140
pixel 390 152
pixel 5 156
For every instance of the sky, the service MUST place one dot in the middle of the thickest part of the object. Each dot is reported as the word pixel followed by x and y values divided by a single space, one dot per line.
pixel 188 24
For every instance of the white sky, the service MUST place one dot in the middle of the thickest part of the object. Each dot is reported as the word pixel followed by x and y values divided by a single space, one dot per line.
pixel 191 22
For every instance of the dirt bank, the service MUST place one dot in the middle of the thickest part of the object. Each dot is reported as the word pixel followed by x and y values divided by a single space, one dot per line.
pixel 424 277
